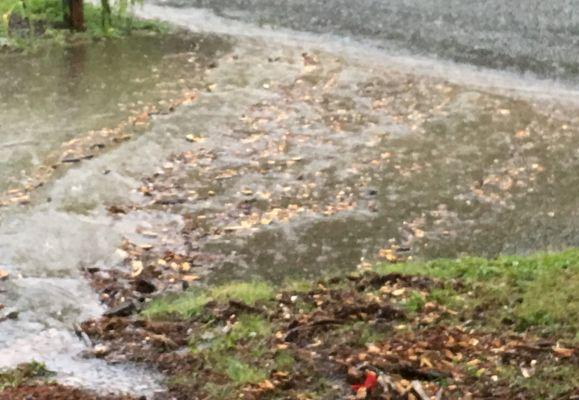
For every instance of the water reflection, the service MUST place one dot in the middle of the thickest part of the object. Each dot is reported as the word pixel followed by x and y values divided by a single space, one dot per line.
pixel 49 97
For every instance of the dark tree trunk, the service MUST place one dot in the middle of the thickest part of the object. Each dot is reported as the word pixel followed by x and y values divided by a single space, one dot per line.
pixel 106 14
pixel 77 15
pixel 74 14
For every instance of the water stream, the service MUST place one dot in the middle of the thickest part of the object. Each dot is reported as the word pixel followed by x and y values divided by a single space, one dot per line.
pixel 307 164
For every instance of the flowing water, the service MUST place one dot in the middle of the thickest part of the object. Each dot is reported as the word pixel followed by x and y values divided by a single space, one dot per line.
pixel 47 99
pixel 533 36
pixel 307 164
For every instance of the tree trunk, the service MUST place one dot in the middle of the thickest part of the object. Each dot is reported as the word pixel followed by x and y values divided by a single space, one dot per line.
pixel 77 15
pixel 74 14
pixel 106 15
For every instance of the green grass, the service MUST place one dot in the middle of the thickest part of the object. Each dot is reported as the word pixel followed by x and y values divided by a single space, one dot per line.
pixel 415 302
pixel 50 13
pixel 547 381
pixel 360 333
pixel 284 361
pixel 191 303
pixel 22 374
pixel 241 373
pixel 540 291
pixel 236 353
pixel 246 292
pixel 537 294
pixel 248 328
pixel 219 391
pixel 185 306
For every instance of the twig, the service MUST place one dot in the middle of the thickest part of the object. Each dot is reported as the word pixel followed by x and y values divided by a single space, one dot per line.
pixel 16 144
pixel 417 387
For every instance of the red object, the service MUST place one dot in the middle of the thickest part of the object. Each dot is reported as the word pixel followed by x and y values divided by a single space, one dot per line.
pixel 369 383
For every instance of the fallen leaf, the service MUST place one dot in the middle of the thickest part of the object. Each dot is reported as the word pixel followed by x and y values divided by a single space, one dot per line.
pixel 563 352
pixel 266 385
pixel 185 266
pixel 3 275
pixel 136 268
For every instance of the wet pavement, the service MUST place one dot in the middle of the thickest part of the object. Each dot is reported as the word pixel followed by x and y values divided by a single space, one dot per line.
pixel 535 37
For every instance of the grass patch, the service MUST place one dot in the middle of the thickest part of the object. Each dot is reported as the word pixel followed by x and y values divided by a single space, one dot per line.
pixel 24 22
pixel 247 329
pixel 415 302
pixel 191 303
pixel 246 292
pixel 22 374
pixel 237 351
pixel 185 306
pixel 242 373
pixel 238 347
pixel 218 391
pixel 360 333
pixel 540 291
pixel 284 361
pixel 297 285
pixel 547 381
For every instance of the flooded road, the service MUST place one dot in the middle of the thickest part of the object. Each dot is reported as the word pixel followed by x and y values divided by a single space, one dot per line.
pixel 49 102
pixel 535 37
pixel 52 96
pixel 286 160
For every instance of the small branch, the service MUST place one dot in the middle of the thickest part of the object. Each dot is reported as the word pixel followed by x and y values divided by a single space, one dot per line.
pixel 417 387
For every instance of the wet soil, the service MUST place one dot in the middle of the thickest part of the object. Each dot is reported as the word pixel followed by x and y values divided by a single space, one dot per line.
pixel 54 392
pixel 337 334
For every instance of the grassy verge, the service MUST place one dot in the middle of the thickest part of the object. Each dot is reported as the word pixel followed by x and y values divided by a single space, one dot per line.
pixel 539 292
pixel 41 20
pixel 470 328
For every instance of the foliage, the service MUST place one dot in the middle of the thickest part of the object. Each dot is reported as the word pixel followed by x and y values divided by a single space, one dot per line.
pixel 34 19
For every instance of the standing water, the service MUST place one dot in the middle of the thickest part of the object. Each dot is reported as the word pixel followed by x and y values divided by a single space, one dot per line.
pixel 46 99
pixel 296 164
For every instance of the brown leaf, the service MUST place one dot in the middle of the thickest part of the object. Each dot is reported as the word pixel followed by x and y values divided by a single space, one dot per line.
pixel 563 352
pixel 3 275
pixel 190 278
pixel 266 385
pixel 136 268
